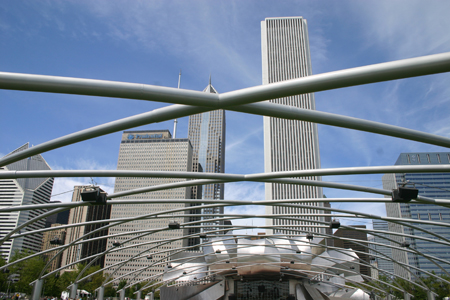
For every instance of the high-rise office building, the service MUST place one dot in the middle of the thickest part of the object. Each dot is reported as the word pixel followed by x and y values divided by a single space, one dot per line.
pixel 206 131
pixel 360 246
pixel 378 249
pixel 52 239
pixel 80 215
pixel 149 150
pixel 59 218
pixel 432 185
pixel 289 144
pixel 23 191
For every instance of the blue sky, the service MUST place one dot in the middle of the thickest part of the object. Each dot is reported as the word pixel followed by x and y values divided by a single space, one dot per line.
pixel 150 41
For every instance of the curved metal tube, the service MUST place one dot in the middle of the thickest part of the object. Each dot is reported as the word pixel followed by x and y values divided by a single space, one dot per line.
pixel 278 202
pixel 425 65
pixel 405 68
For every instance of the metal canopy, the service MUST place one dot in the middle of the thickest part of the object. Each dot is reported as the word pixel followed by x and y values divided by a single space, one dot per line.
pixel 235 254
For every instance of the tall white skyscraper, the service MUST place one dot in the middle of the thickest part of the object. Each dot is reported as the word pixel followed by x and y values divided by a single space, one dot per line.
pixel 289 144
pixel 151 150
pixel 23 191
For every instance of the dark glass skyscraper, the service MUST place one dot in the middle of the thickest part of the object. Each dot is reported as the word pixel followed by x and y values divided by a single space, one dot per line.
pixel 207 135
pixel 432 185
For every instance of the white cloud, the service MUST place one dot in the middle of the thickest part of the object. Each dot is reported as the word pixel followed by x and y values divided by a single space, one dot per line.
pixel 243 139
pixel 63 185
pixel 247 191
pixel 404 28
pixel 63 188
pixel 256 223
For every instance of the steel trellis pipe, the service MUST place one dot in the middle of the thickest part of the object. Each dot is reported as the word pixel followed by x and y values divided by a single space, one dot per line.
pixel 271 227
pixel 226 176
pixel 395 220
pixel 382 72
pixel 267 109
pixel 412 67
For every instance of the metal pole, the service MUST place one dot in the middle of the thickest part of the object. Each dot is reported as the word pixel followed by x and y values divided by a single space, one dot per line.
pixel 226 176
pixel 375 73
pixel 412 67
pixel 73 290
pixel 138 295
pixel 37 290
pixel 100 293
pixel 122 294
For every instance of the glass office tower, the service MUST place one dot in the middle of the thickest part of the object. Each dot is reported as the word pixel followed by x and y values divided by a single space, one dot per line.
pixel 206 132
pixel 432 185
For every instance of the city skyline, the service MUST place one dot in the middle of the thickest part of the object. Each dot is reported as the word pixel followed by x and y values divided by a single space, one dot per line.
pixel 417 103
pixel 119 45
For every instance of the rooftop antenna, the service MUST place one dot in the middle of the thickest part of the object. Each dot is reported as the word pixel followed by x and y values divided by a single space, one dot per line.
pixel 176 121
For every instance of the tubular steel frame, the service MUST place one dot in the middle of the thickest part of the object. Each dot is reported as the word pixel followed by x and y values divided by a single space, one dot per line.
pixel 249 100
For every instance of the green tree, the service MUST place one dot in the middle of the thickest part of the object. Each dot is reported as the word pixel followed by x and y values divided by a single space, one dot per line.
pixel 90 284
pixel 27 270
pixel 93 282
pixel 51 287
pixel 3 275
pixel 66 279
pixel 435 285
pixel 110 291
pixel 121 285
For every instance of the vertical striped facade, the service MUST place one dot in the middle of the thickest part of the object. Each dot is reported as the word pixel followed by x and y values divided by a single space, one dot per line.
pixel 206 132
pixel 289 144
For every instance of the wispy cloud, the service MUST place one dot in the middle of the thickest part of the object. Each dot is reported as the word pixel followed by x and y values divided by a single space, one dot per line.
pixel 244 152
pixel 62 185
pixel 194 32
pixel 250 192
pixel 405 28
pixel 243 139
pixel 256 224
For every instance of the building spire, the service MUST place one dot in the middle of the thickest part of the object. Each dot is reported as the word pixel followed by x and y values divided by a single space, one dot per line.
pixel 175 122
pixel 209 88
